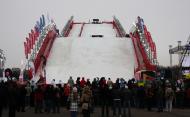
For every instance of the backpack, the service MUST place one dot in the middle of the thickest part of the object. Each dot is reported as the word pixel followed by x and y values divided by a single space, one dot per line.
pixel 169 94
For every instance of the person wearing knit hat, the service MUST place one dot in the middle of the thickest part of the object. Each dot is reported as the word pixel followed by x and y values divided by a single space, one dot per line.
pixel 74 89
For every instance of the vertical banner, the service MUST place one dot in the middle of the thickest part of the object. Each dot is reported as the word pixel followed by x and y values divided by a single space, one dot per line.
pixel 34 42
pixel 41 23
pixel 36 30
pixel 28 45
pixel 33 37
pixel 155 54
pixel 26 50
pixel 31 41
pixel 31 69
pixel 43 20
pixel 38 26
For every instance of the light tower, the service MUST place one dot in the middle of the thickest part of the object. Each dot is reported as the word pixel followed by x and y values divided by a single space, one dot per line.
pixel 2 62
pixel 179 49
pixel 183 52
pixel 170 47
pixel 2 59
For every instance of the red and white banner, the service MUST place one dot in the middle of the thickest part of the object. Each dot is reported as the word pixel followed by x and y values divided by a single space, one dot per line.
pixel 31 40
pixel 28 45
pixel 26 49
pixel 33 37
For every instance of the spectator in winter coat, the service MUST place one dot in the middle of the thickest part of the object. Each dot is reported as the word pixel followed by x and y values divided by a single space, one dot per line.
pixel 12 94
pixel 88 82
pixel 78 83
pixel 110 83
pixel 3 95
pixel 28 92
pixel 38 100
pixel 116 95
pixel 160 98
pixel 21 96
pixel 71 81
pixel 74 100
pixel 169 96
pixel 104 97
pixel 140 96
pixel 188 96
pixel 149 97
pixel 86 101
pixel 94 84
pixel 82 82
pixel 66 92
pixel 125 100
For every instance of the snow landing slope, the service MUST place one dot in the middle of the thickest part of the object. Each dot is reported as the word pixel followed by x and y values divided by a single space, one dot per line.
pixel 90 57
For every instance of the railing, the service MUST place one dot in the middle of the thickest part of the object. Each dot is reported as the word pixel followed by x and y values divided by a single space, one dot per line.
pixel 144 47
pixel 44 49
pixel 82 27
pixel 67 28
pixel 119 27
pixel 138 55
pixel 39 44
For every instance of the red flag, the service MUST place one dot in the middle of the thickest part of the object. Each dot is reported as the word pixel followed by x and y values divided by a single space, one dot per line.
pixel 154 49
pixel 33 37
pixel 36 31
pixel 28 45
pixel 30 74
pixel 31 41
pixel 26 50
pixel 36 34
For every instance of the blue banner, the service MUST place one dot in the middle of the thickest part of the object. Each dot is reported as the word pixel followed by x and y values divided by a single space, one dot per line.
pixel 38 26
pixel 43 20
pixel 41 23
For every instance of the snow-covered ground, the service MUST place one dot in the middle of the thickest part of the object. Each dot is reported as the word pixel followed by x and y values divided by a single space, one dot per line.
pixel 91 57
pixel 98 29
pixel 75 31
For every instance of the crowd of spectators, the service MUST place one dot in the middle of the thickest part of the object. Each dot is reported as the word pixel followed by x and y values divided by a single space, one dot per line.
pixel 114 98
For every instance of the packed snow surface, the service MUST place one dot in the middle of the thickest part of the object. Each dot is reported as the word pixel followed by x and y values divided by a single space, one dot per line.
pixel 90 57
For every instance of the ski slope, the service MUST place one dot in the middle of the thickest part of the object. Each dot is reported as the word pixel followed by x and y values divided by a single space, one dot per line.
pixel 90 57
pixel 98 29
pixel 76 31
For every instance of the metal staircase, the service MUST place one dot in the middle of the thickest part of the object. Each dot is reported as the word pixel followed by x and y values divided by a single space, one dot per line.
pixel 144 46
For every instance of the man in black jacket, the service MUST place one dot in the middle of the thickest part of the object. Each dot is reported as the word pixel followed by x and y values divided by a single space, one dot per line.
pixel 12 94
pixel 104 96
pixel 3 96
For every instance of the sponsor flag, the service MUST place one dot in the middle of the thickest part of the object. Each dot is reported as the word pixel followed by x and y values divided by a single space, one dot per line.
pixel 41 23
pixel 28 45
pixel 36 30
pixel 33 37
pixel 38 26
pixel 31 40
pixel 31 69
pixel 26 50
pixel 43 20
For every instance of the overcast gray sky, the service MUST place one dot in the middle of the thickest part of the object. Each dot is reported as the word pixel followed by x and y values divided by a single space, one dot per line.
pixel 167 20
